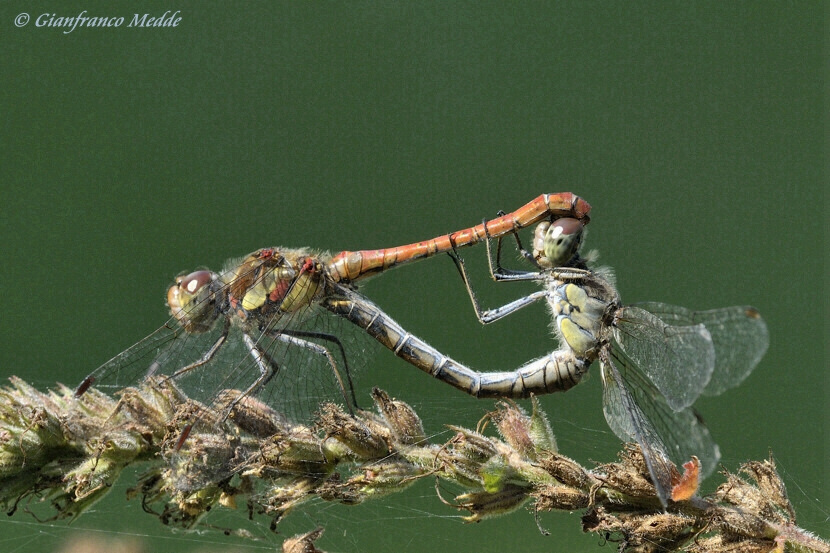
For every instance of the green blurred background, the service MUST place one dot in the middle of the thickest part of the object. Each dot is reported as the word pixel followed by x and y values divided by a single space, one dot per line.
pixel 694 129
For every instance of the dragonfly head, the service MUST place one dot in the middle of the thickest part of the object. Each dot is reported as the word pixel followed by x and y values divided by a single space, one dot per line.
pixel 193 302
pixel 557 244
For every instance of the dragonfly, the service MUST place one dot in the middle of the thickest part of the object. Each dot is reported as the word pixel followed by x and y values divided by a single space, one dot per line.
pixel 239 328
pixel 655 359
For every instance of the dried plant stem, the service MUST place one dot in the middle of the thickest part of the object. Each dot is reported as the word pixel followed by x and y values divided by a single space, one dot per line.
pixel 69 450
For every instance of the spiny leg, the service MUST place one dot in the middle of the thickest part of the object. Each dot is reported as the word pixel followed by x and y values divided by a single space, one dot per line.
pixel 497 272
pixel 268 367
pixel 336 341
pixel 490 315
pixel 292 337
pixel 205 358
pixel 524 253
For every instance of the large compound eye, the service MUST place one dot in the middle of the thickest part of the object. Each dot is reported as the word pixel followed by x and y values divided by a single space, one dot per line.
pixel 181 294
pixel 562 241
pixel 192 309
pixel 193 282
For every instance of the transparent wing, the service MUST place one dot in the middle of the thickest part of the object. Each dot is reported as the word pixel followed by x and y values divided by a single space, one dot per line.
pixel 739 335
pixel 679 360
pixel 134 363
pixel 635 410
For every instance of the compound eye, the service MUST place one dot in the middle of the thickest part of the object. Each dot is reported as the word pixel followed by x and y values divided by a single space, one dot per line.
pixel 180 295
pixel 562 240
pixel 191 303
pixel 193 282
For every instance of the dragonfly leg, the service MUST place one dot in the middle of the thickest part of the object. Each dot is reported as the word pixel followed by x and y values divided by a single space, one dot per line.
pixel 524 253
pixel 267 369
pixel 336 341
pixel 497 272
pixel 459 265
pixel 491 315
pixel 293 337
pixel 570 273
pixel 204 359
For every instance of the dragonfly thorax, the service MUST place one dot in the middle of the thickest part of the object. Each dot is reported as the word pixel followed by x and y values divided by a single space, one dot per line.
pixel 579 315
pixel 267 284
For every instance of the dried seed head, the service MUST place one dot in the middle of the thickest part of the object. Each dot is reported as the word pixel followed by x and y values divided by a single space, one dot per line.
pixel 107 457
pixel 70 449
pixel 205 458
pixel 334 489
pixel 632 457
pixel 375 480
pixel 352 432
pixel 650 533
pixel 472 445
pixel 378 426
pixel 252 415
pixel 628 477
pixel 527 435
pixel 298 453
pixel 462 457
pixel 303 543
pixel 484 504
pixel 658 532
pixel 153 405
pixel 457 468
pixel 724 544
pixel 405 425
pixel 560 498
pixel 598 519
pixel 566 470
pixel 284 495
pixel 514 426
pixel 771 486
pixel 752 500
pixel 741 522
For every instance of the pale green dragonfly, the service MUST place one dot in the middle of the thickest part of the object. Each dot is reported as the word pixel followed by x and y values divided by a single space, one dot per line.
pixel 655 359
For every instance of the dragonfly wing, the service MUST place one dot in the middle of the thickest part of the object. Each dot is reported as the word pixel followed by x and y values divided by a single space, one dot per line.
pixel 739 334
pixel 635 410
pixel 130 366
pixel 629 423
pixel 679 360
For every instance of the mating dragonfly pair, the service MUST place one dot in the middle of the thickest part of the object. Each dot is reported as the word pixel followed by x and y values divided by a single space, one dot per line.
pixel 252 326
